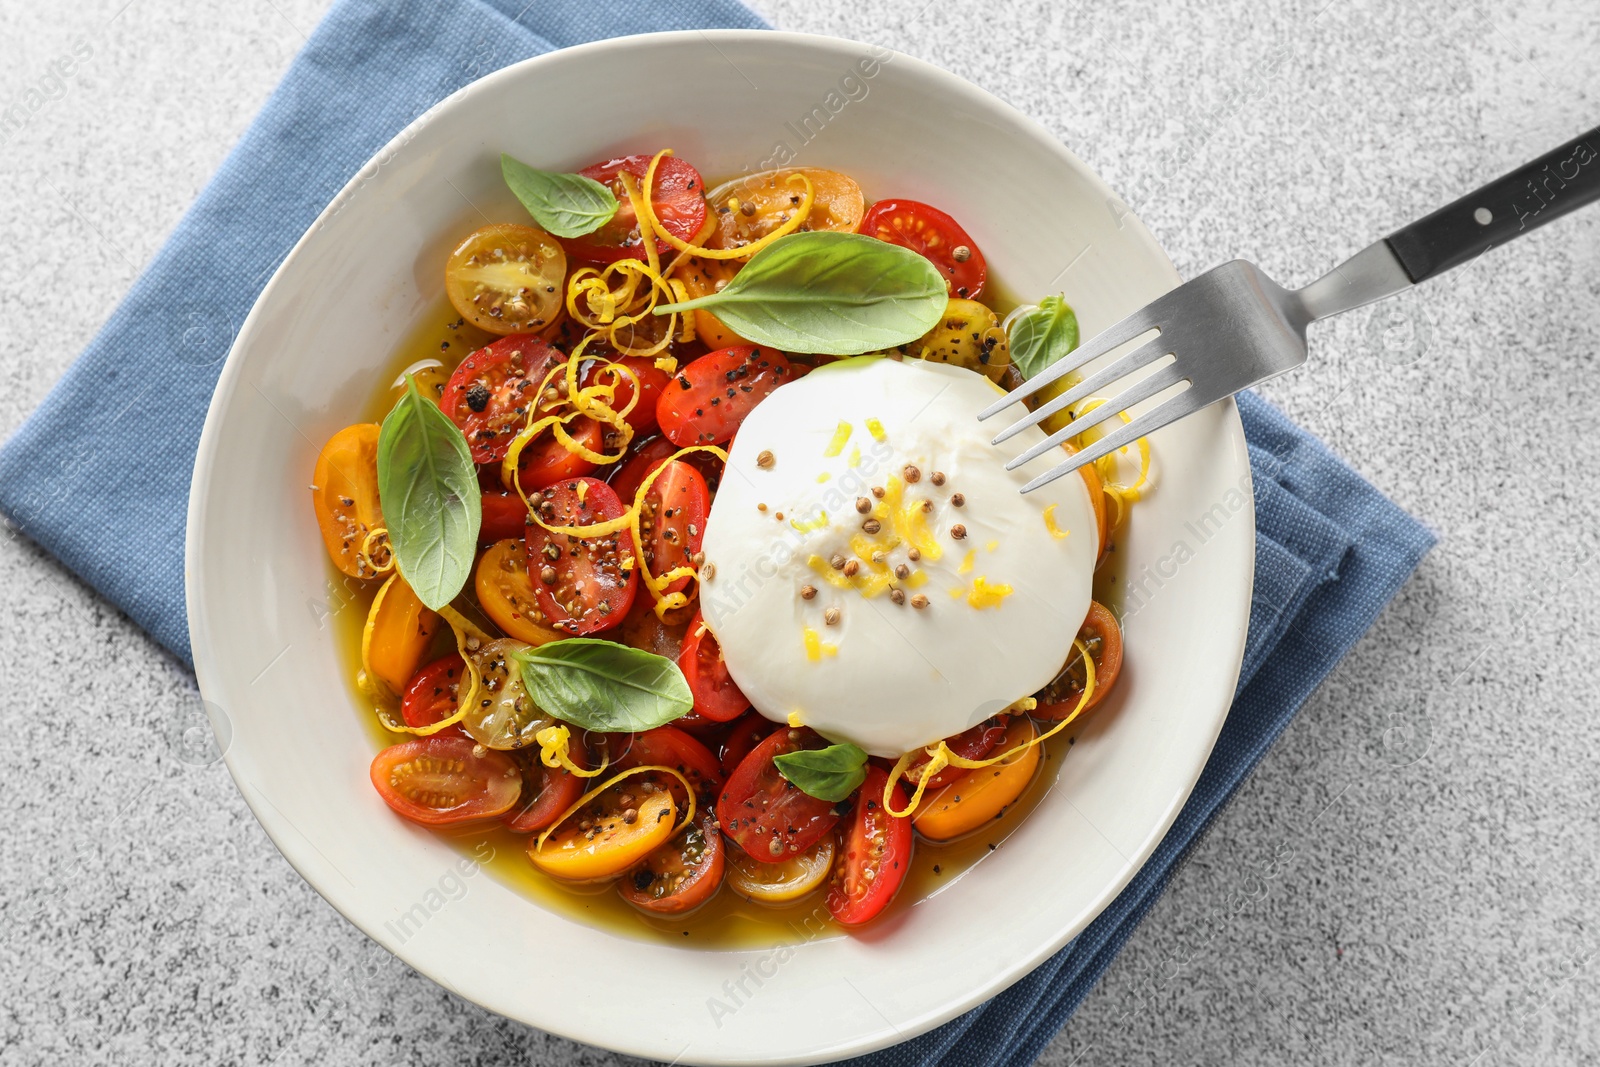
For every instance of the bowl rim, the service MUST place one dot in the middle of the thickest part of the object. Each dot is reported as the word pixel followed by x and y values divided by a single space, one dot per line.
pixel 202 622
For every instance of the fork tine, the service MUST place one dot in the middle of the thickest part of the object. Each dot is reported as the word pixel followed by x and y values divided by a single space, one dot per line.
pixel 1139 391
pixel 1097 346
pixel 1175 408
pixel 1139 357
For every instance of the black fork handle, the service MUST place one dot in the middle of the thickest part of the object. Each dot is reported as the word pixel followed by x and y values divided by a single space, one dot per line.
pixel 1527 198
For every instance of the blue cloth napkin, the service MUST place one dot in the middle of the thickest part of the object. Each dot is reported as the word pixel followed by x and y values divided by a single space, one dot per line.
pixel 116 438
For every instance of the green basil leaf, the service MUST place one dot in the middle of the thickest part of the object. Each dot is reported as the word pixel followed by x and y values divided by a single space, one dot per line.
pixel 601 685
pixel 1043 335
pixel 429 491
pixel 836 294
pixel 567 205
pixel 830 774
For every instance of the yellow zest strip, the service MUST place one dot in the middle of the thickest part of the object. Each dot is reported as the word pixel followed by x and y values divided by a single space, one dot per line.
pixel 875 428
pixel 647 212
pixel 940 756
pixel 365 551
pixel 607 784
pixel 969 562
pixel 1050 523
pixel 464 630
pixel 555 751
pixel 807 525
pixel 656 585
pixel 841 434
pixel 986 594
pixel 854 459
pixel 1122 497
pixel 816 647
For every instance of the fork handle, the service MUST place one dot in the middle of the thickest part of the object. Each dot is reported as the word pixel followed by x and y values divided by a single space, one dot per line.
pixel 1527 198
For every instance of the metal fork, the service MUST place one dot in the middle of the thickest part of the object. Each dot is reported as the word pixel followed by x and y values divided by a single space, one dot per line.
pixel 1233 326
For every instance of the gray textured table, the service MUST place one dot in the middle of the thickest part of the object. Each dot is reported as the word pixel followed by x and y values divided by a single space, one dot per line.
pixel 1409 878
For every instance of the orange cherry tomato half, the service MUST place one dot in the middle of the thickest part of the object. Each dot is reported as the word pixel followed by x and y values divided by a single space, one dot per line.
pixel 1103 637
pixel 678 201
pixel 344 488
pixel 507 278
pixel 716 696
pixel 398 634
pixel 680 875
pixel 652 379
pixel 668 746
pixel 709 398
pixel 443 780
pixel 506 594
pixel 546 791
pixel 975 743
pixel 934 236
pixel 876 855
pixel 580 583
pixel 977 797
pixel 489 394
pixel 672 522
pixel 767 815
pixel 434 693
pixel 748 208
pixel 615 830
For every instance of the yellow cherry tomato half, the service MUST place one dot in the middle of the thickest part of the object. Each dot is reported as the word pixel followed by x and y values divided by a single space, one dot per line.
pixel 600 840
pixel 968 336
pixel 344 495
pixel 779 883
pixel 749 208
pixel 702 277
pixel 505 593
pixel 507 278
pixel 398 634
pixel 981 795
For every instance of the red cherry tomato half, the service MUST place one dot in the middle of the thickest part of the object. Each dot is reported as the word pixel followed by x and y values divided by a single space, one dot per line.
pixel 488 395
pixel 668 746
pixel 678 200
pixel 643 457
pixel 934 236
pixel 546 791
pixel 708 399
pixel 652 379
pixel 877 854
pixel 672 522
pixel 545 460
pixel 432 694
pixel 505 517
pixel 589 588
pixel 764 813
pixel 716 695
pixel 680 875
pixel 1102 636
pixel 747 732
pixel 442 780
pixel 975 743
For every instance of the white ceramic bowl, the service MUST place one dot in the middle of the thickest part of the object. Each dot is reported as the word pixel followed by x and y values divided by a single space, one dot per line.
pixel 305 363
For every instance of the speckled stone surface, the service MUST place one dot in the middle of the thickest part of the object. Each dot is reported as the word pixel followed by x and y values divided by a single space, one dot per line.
pixel 1410 877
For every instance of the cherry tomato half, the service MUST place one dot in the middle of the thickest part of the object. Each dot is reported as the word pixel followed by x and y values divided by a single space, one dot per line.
pixel 934 236
pixel 672 522
pixel 877 854
pixel 764 813
pixel 504 516
pixel 545 460
pixel 398 633
pixel 344 487
pixel 975 743
pixel 747 732
pixel 978 797
pixel 667 746
pixel 615 830
pixel 546 791
pixel 652 379
pixel 489 394
pixel 442 780
pixel 433 694
pixel 580 583
pixel 716 696
pixel 643 457
pixel 709 398
pixel 507 278
pixel 752 206
pixel 505 592
pixel 1103 637
pixel 678 201
pixel 680 875
pixel 779 883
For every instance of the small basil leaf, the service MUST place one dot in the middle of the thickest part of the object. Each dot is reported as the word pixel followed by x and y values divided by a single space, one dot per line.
pixel 1043 335
pixel 601 685
pixel 830 774
pixel 567 205
pixel 428 489
pixel 836 294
